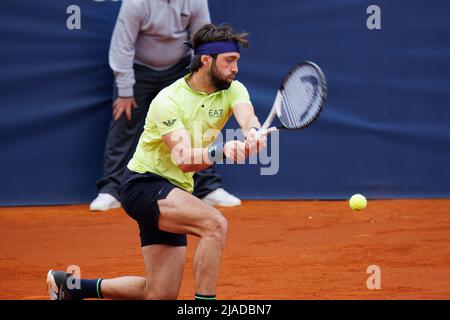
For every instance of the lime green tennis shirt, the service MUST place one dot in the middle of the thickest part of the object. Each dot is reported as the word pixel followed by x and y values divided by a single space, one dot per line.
pixel 179 106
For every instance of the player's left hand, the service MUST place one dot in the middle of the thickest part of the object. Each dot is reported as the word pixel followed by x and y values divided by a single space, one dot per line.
pixel 255 141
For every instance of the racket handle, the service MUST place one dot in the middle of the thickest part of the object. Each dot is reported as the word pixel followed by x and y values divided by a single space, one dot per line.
pixel 273 112
pixel 268 131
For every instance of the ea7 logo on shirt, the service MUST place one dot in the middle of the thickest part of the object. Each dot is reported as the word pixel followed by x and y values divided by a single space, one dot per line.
pixel 215 113
pixel 169 123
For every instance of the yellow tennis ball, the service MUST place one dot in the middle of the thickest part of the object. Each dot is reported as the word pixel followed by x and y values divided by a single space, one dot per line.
pixel 358 202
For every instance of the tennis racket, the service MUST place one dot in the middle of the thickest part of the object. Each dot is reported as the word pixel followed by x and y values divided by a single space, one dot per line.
pixel 299 100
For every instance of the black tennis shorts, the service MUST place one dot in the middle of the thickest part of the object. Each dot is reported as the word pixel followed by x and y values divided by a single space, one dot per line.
pixel 139 194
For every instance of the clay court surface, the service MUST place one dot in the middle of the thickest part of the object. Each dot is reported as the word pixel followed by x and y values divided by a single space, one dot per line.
pixel 275 249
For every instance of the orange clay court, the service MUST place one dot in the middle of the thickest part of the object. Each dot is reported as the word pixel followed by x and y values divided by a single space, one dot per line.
pixel 275 249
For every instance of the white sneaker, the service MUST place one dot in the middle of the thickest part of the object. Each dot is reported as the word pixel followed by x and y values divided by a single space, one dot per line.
pixel 104 202
pixel 220 197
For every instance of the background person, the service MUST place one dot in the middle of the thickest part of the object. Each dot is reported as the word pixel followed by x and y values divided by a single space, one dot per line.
pixel 147 55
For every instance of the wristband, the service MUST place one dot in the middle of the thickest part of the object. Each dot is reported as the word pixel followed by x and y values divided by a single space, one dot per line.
pixel 248 131
pixel 256 129
pixel 215 152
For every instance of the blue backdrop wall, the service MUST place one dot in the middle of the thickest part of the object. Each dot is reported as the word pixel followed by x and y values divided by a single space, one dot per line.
pixel 384 132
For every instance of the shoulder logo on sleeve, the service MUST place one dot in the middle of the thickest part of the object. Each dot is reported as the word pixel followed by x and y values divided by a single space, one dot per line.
pixel 169 123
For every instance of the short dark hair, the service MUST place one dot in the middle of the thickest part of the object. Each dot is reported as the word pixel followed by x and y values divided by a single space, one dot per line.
pixel 212 33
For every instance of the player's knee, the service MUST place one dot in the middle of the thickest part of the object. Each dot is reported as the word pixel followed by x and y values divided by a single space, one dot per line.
pixel 217 227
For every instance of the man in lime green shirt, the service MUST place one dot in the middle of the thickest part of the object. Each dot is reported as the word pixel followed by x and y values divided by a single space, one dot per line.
pixel 182 123
pixel 181 107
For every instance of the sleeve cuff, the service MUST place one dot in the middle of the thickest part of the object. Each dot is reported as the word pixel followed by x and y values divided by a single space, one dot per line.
pixel 238 102
pixel 125 92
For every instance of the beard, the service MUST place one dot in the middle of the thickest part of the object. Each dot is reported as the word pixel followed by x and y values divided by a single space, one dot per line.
pixel 217 80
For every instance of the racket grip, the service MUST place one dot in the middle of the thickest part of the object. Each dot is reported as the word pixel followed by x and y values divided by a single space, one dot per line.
pixel 268 130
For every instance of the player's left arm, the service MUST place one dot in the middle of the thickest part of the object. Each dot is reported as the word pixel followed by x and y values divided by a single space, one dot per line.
pixel 245 116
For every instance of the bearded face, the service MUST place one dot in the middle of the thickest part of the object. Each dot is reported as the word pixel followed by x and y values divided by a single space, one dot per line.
pixel 223 70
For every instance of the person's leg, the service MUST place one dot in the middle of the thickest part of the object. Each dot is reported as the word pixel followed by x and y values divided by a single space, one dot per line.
pixel 164 267
pixel 119 145
pixel 175 214
pixel 180 212
pixel 170 213
pixel 206 181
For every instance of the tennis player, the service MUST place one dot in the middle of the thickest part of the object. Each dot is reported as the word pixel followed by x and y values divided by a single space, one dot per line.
pixel 157 185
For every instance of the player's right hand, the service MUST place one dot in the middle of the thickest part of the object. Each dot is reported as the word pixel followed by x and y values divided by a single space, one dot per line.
pixel 122 105
pixel 236 151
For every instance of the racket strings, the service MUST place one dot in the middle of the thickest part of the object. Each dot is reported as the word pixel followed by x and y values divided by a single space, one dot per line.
pixel 293 101
pixel 303 94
